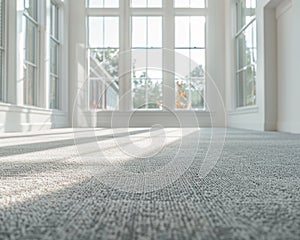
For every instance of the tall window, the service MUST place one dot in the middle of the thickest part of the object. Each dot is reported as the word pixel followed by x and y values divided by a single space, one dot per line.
pixel 31 52
pixel 190 62
pixel 54 56
pixel 150 30
pixel 246 52
pixel 146 62
pixel 2 49
pixel 103 62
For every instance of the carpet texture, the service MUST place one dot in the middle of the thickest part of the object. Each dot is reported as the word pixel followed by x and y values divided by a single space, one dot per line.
pixel 48 192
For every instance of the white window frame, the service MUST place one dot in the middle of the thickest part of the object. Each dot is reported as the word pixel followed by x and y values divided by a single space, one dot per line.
pixel 3 49
pixel 238 70
pixel 57 41
pixel 146 48
pixel 105 87
pixel 190 47
pixel 168 12
pixel 35 65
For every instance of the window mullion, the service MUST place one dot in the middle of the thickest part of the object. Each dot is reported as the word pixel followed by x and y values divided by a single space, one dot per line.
pixel 125 100
pixel 168 55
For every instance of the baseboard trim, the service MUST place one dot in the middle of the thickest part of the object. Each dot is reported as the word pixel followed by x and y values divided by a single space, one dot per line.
pixel 290 127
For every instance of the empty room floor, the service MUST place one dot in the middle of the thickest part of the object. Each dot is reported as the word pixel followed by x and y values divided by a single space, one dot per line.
pixel 108 184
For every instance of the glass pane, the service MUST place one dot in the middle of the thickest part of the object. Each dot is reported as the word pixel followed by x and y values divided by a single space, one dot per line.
pixel 111 32
pixel 246 47
pixel 154 63
pixel 139 63
pixel 139 32
pixel 190 78
pixel 54 21
pixel 197 32
pixel 112 96
pixel 2 22
pixel 147 94
pixel 103 3
pixel 138 3
pixel 103 95
pixel 111 3
pixel 182 3
pixel 1 77
pixel 146 3
pixel 147 32
pixel 240 89
pixel 30 85
pixel 182 32
pixel 104 32
pixel 190 32
pixel 154 32
pixel 147 63
pixel 54 93
pixel 250 86
pixel 246 87
pixel 104 63
pixel 197 3
pixel 182 94
pixel 147 78
pixel 189 3
pixel 182 62
pixel 31 43
pixel 197 89
pixel 197 65
pixel 104 84
pixel 245 12
pixel 96 30
pixel 54 57
pixel 96 96
pixel 30 7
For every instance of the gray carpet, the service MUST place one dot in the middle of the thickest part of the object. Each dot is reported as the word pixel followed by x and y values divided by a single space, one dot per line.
pixel 253 192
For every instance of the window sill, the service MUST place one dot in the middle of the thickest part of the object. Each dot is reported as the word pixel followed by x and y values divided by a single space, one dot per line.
pixel 244 110
pixel 26 108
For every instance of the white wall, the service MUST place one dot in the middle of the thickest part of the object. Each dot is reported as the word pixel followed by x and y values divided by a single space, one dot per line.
pixel 289 67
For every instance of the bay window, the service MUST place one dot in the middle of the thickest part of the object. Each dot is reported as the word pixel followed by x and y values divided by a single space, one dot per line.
pixel 150 30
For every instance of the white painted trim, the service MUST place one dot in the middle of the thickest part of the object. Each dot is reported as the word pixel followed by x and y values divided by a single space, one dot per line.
pixel 283 8
pixel 149 118
pixel 244 110
pixel 6 107
pixel 288 126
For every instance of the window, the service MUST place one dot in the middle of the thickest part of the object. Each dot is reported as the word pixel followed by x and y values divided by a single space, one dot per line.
pixel 190 62
pixel 151 31
pixel 2 51
pixel 103 63
pixel 31 52
pixel 146 53
pixel 54 57
pixel 189 3
pixel 246 52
